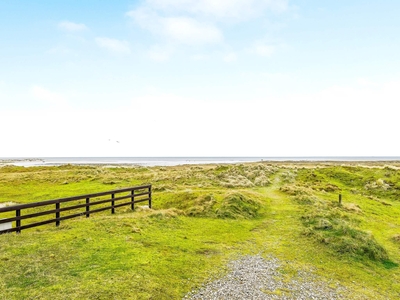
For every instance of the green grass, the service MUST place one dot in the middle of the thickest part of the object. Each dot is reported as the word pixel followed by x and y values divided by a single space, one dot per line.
pixel 119 257
pixel 202 217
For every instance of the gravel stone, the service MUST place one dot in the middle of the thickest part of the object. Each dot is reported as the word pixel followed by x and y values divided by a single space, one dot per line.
pixel 253 277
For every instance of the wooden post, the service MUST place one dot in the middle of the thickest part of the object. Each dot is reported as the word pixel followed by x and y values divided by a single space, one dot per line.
pixel 18 222
pixel 112 204
pixel 133 199
pixel 87 208
pixel 149 196
pixel 340 199
pixel 57 214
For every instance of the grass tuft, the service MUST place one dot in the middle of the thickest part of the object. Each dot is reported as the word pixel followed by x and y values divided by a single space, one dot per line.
pixel 203 206
pixel 238 206
pixel 163 214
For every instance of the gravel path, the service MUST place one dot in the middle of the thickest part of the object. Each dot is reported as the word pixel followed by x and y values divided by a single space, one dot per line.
pixel 253 277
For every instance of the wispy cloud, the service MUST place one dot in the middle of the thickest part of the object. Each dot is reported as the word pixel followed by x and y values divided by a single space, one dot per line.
pixel 113 45
pixel 222 9
pixel 198 22
pixel 71 26
pixel 181 30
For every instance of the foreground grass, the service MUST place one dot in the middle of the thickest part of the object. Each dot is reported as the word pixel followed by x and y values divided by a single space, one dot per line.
pixel 123 258
pixel 204 216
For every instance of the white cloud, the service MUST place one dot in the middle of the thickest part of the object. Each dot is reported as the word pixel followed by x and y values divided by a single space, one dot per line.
pixel 145 18
pixel 263 50
pixel 231 57
pixel 189 31
pixel 221 9
pixel 197 22
pixel 62 50
pixel 71 26
pixel 48 96
pixel 182 30
pixel 113 45
pixel 159 53
pixel 200 57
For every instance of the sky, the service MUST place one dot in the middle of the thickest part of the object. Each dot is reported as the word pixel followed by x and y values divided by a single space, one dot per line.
pixel 199 78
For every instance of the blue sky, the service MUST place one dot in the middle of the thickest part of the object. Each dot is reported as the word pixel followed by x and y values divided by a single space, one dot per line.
pixel 199 78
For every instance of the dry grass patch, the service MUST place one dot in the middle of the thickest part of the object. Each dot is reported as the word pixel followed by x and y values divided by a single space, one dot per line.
pixel 396 238
pixel 352 207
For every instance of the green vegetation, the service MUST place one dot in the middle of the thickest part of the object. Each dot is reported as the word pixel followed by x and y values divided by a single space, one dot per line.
pixel 202 217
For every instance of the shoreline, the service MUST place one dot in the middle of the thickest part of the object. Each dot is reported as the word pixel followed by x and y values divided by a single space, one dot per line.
pixel 182 161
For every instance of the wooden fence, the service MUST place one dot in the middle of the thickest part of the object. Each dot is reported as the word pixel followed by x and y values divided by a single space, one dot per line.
pixel 76 206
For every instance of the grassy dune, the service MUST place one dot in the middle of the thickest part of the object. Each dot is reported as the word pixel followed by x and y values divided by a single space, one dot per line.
pixel 202 217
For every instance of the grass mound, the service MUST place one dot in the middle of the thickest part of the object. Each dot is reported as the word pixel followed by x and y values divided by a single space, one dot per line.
pixel 203 206
pixel 238 206
pixel 301 195
pixel 336 227
pixel 192 203
pixel 240 176
pixel 343 237
pixel 378 182
pixel 233 205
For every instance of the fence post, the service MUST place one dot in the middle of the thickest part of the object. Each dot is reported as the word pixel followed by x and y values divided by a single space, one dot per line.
pixel 18 222
pixel 340 199
pixel 87 208
pixel 150 196
pixel 112 204
pixel 58 214
pixel 133 199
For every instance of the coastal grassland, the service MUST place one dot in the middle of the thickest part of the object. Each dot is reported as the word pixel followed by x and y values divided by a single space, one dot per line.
pixel 202 217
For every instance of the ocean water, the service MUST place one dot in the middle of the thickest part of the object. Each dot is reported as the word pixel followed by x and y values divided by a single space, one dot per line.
pixel 174 161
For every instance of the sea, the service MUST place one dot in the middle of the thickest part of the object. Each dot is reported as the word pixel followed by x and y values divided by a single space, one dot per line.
pixel 174 161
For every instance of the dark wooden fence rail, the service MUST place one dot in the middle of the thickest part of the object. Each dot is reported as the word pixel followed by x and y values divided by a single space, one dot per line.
pixel 135 194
